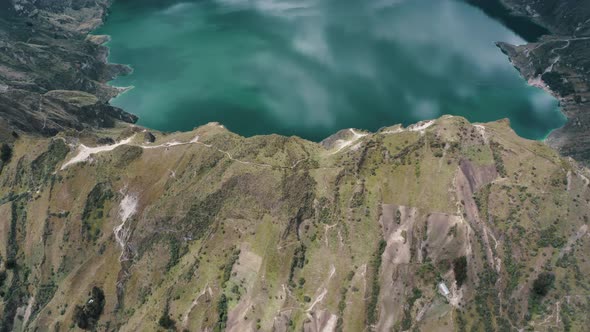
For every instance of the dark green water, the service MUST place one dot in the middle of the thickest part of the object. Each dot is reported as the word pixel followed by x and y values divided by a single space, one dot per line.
pixel 312 67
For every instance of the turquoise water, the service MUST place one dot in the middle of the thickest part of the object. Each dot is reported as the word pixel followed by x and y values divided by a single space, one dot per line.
pixel 312 67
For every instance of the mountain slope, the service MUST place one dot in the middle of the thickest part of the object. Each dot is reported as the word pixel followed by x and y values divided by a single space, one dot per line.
pixel 559 63
pixel 52 74
pixel 207 230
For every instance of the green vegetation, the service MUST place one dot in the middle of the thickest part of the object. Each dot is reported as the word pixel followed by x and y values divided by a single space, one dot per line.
pixel 513 268
pixel 44 295
pixel 297 263
pixel 558 83
pixel 174 253
pixel 342 304
pixel 222 314
pixel 541 287
pixel 427 272
pixel 325 213
pixel 375 286
pixel 460 270
pixel 407 319
pixel 193 216
pixel 44 166
pixel 165 320
pixel 3 276
pixel 235 255
pixel 549 237
pixel 202 214
pixel 358 199
pixel 126 154
pixel 482 200
pixel 498 161
pixel 86 316
pixel 543 283
pixel 12 247
pixel 5 153
pixel 461 323
pixel 17 292
pixel 94 209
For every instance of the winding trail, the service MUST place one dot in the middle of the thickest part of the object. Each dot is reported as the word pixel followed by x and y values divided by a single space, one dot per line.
pixel 185 316
pixel 84 153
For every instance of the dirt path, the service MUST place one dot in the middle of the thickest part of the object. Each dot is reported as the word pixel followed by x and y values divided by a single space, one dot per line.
pixel 324 289
pixel 187 313
pixel 418 127
pixel 572 240
pixel 342 144
pixel 84 153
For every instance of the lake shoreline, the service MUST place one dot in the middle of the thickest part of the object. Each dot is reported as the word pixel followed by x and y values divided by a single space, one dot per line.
pixel 118 70
pixel 224 107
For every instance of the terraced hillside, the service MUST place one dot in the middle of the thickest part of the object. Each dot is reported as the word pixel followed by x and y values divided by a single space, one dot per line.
pixel 442 226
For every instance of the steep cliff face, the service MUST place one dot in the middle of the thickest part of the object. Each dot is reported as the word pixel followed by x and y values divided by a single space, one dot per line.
pixel 52 75
pixel 560 64
pixel 441 226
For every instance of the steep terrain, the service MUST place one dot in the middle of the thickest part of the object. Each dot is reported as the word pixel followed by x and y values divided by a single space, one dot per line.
pixel 559 63
pixel 442 226
pixel 52 75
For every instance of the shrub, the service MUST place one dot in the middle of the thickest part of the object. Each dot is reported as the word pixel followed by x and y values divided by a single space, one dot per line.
pixel 498 161
pixel 460 269
pixel 301 282
pixel 87 316
pixel 297 263
pixel 549 236
pixel 94 209
pixel 10 264
pixel 44 294
pixel 222 314
pixel 5 153
pixel 375 287
pixel 229 266
pixel 174 247
pixel 165 321
pixel 543 283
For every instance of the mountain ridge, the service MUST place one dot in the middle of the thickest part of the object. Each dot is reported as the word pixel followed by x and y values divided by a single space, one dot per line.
pixel 440 226
pixel 207 230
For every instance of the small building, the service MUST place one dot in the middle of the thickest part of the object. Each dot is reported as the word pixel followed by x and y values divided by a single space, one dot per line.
pixel 443 289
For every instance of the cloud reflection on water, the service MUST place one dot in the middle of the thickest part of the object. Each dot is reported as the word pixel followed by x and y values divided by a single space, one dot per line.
pixel 311 67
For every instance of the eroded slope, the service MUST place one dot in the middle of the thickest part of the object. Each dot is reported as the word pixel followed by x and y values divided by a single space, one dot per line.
pixel 440 226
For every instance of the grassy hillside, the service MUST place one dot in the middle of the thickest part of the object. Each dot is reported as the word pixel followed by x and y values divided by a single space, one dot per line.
pixel 442 226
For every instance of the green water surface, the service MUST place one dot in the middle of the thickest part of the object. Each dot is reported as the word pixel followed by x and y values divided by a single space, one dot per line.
pixel 312 67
